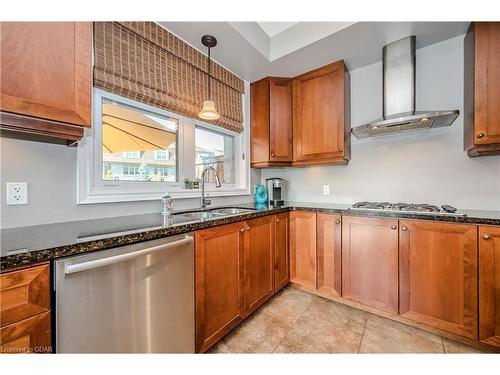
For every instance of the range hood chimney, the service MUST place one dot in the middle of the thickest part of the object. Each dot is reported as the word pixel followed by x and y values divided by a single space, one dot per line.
pixel 398 59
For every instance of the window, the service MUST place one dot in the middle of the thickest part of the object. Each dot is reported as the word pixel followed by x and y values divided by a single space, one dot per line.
pixel 130 133
pixel 137 152
pixel 214 149
pixel 162 155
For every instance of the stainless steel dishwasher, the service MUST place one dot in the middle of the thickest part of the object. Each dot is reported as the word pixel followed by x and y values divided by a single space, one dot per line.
pixel 132 299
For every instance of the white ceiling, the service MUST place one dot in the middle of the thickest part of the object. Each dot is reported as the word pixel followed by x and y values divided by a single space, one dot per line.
pixel 248 51
pixel 273 28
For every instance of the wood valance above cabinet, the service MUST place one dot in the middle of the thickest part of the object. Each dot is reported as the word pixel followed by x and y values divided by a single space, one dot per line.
pixel 303 120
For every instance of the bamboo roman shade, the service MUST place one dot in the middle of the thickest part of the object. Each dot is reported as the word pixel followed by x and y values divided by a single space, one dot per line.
pixel 144 62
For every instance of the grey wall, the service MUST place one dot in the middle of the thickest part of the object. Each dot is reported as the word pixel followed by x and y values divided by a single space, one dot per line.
pixel 427 166
pixel 50 170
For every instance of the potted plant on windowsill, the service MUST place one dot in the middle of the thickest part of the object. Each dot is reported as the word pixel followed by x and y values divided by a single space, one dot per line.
pixel 188 183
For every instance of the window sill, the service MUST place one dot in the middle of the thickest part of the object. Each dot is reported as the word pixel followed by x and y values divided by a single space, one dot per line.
pixel 95 197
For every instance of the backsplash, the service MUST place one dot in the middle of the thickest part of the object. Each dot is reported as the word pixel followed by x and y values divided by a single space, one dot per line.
pixel 426 166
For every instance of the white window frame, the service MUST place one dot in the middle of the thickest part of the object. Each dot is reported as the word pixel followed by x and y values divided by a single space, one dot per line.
pixel 91 188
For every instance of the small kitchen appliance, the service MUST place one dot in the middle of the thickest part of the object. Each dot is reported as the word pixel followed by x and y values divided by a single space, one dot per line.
pixel 276 191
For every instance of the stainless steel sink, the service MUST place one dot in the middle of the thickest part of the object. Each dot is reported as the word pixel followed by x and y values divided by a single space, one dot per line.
pixel 228 211
pixel 204 215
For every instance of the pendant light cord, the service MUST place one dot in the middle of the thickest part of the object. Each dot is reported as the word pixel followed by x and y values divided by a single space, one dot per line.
pixel 209 73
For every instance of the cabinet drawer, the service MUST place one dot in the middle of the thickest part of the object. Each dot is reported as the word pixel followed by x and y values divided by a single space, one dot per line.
pixel 30 335
pixel 24 294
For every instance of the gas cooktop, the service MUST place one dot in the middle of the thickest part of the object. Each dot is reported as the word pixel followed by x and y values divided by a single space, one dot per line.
pixel 407 207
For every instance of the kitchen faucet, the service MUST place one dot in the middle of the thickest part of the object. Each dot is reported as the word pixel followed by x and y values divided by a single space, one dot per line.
pixel 206 201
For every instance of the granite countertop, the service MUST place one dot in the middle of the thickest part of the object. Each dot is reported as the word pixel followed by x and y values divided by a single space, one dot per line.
pixel 28 245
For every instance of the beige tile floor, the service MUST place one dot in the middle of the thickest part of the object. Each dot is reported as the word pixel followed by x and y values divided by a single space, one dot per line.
pixel 294 321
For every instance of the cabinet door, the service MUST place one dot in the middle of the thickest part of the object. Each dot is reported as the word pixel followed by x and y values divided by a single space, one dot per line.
pixel 46 70
pixel 219 282
pixel 487 83
pixel 280 116
pixel 329 232
pixel 24 293
pixel 320 119
pixel 489 285
pixel 30 335
pixel 303 248
pixel 370 262
pixel 259 123
pixel 281 254
pixel 259 262
pixel 438 275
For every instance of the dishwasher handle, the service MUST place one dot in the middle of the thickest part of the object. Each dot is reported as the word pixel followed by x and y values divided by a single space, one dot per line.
pixel 92 264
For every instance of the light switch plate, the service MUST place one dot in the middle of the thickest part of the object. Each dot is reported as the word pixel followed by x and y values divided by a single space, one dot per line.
pixel 17 193
pixel 326 189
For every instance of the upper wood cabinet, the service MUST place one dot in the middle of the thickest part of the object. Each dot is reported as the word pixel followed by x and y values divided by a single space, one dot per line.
pixel 281 253
pixel 329 254
pixel 25 311
pixel 219 254
pixel 438 275
pixel 370 262
pixel 489 285
pixel 46 77
pixel 321 116
pixel 482 89
pixel 259 262
pixel 271 122
pixel 303 248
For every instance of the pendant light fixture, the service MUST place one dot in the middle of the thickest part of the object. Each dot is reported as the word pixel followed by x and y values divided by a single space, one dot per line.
pixel 208 111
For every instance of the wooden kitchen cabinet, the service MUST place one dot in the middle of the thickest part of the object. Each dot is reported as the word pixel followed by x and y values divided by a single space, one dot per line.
pixel 281 251
pixel 329 254
pixel 30 335
pixel 438 275
pixel 259 261
pixel 303 248
pixel 46 72
pixel 25 311
pixel 482 89
pixel 489 285
pixel 271 122
pixel 321 116
pixel 370 262
pixel 219 282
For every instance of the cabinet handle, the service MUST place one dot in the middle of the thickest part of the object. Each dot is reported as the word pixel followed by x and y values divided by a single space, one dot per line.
pixel 277 220
pixel 341 149
pixel 242 229
pixel 247 229
pixel 272 154
pixel 337 221
pixel 480 135
pixel 404 229
pixel 393 227
pixel 486 236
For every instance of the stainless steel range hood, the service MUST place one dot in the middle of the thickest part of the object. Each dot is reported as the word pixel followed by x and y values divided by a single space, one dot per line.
pixel 399 96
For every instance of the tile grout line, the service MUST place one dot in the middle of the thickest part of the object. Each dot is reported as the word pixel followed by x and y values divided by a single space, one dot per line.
pixel 362 335
pixel 442 344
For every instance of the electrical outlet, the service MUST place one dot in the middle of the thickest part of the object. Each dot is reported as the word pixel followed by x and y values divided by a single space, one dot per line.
pixel 326 189
pixel 17 193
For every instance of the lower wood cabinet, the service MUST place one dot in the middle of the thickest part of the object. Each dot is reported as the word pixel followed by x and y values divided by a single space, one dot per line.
pixel 259 262
pixel 438 275
pixel 281 253
pixel 370 262
pixel 329 254
pixel 30 335
pixel 238 267
pixel 25 311
pixel 303 248
pixel 489 285
pixel 219 253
